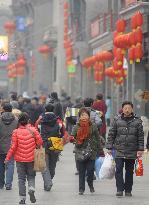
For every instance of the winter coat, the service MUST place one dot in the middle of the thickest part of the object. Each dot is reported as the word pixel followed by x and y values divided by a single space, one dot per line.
pixel 8 123
pixel 50 126
pixel 126 136
pixel 94 138
pixel 101 106
pixel 24 143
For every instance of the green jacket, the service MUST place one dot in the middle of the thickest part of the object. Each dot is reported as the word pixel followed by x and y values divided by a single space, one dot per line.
pixel 95 140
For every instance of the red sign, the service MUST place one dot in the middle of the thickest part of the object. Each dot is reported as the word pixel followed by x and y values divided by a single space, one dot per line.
pixel 129 2
pixel 95 28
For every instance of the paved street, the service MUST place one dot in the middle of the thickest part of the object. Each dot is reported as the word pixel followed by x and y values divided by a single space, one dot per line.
pixel 65 189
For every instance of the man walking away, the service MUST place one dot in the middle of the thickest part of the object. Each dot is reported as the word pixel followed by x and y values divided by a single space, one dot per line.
pixel 127 137
pixel 8 123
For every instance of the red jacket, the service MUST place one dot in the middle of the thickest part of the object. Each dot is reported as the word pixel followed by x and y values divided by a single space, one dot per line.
pixel 23 144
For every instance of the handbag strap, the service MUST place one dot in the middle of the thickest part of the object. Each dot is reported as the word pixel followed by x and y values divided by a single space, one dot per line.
pixel 31 132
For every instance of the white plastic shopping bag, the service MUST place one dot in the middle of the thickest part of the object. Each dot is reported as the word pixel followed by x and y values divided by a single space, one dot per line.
pixel 98 164
pixel 107 170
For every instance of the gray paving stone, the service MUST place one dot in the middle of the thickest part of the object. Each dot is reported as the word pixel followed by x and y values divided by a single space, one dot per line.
pixel 65 188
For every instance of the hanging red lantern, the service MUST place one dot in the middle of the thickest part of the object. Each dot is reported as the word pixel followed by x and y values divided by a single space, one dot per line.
pixel 20 67
pixel 119 56
pixel 110 72
pixel 131 55
pixel 132 38
pixel 119 81
pixel 66 15
pixel 117 66
pixel 139 19
pixel 98 77
pixel 69 51
pixel 66 5
pixel 12 72
pixel 120 25
pixel 45 50
pixel 10 27
pixel 138 36
pixel 133 22
pixel 138 53
pixel 65 30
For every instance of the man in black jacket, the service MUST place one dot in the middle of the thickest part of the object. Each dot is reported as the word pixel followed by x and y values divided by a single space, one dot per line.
pixel 8 123
pixel 126 136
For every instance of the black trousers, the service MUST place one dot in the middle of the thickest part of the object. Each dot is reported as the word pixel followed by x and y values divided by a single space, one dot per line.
pixel 129 168
pixel 86 167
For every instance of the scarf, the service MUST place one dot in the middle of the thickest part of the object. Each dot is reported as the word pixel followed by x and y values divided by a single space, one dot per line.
pixel 83 131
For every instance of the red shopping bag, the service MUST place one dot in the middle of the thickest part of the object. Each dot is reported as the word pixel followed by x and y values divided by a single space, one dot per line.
pixel 139 167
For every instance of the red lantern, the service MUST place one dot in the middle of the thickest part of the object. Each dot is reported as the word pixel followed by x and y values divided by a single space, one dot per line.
pixel 132 38
pixel 139 19
pixel 131 54
pixel 69 51
pixel 119 56
pixel 65 30
pixel 66 5
pixel 20 67
pixel 138 36
pixel 117 66
pixel 110 72
pixel 10 27
pixel 120 25
pixel 120 81
pixel 133 22
pixel 45 50
pixel 98 77
pixel 12 72
pixel 138 53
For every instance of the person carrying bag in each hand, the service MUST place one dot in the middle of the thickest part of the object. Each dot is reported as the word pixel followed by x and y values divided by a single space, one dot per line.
pixel 87 144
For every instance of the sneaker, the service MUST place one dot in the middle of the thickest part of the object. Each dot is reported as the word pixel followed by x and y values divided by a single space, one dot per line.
pixel 129 194
pixel 32 196
pixel 92 190
pixel 119 194
pixel 81 192
pixel 22 201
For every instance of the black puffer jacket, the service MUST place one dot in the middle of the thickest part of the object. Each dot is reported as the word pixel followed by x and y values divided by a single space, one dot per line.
pixel 7 124
pixel 126 136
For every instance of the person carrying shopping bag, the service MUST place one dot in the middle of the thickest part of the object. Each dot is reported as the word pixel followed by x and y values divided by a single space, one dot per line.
pixel 87 141
pixel 22 148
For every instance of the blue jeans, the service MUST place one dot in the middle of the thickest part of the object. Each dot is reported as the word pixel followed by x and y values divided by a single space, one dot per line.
pixel 9 172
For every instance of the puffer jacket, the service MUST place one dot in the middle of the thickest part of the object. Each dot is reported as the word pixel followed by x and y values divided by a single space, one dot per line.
pixel 23 144
pixel 126 136
pixel 8 123
pixel 94 138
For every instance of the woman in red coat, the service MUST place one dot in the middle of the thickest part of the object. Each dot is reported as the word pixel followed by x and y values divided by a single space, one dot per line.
pixel 24 141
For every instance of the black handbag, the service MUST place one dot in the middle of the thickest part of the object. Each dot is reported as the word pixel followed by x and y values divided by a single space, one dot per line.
pixel 83 152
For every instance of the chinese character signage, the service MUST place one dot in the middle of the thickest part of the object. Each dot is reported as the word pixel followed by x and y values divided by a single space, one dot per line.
pixel 3 48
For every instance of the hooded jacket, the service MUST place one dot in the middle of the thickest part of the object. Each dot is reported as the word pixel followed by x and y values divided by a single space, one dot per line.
pixel 8 123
